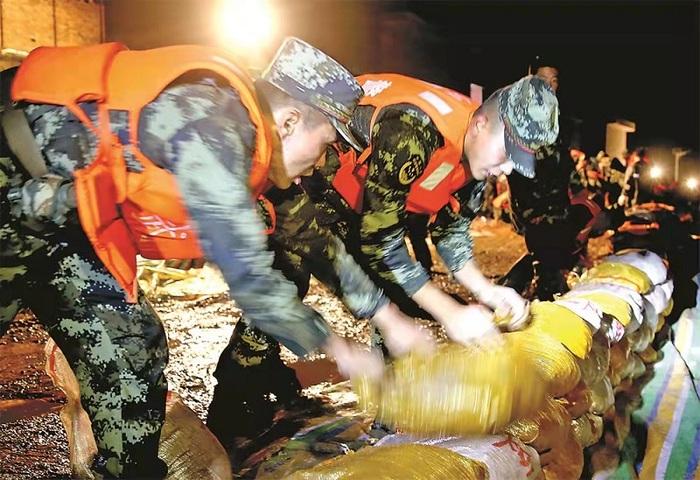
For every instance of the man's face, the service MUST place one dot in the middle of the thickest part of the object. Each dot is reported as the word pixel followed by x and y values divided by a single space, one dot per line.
pixel 549 75
pixel 303 146
pixel 486 151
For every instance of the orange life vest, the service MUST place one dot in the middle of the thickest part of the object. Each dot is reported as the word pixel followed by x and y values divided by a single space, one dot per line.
pixel 128 213
pixel 445 173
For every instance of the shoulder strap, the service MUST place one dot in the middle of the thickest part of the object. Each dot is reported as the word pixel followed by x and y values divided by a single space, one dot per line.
pixel 22 143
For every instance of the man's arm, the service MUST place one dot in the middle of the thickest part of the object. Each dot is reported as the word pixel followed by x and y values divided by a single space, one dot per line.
pixel 324 255
pixel 403 142
pixel 203 135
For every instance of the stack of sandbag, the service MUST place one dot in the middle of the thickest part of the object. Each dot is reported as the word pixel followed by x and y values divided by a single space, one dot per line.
pixel 561 430
pixel 552 391
pixel 460 390
pixel 633 291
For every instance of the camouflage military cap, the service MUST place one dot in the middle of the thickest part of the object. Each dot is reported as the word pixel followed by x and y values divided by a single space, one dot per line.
pixel 530 111
pixel 311 76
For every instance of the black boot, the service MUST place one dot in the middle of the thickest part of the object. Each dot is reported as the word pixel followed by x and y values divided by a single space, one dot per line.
pixel 253 384
pixel 520 275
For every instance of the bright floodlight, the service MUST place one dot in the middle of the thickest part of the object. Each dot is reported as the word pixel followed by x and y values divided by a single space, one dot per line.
pixel 656 172
pixel 692 183
pixel 245 24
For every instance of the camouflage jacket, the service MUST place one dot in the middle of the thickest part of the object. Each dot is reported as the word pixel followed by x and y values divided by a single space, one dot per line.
pixel 314 249
pixel 402 134
pixel 544 198
pixel 201 133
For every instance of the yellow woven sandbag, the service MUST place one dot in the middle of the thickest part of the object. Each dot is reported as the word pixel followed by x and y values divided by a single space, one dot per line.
pixel 555 363
pixel 561 323
pixel 602 396
pixel 578 401
pixel 620 273
pixel 588 429
pixel 457 391
pixel 648 355
pixel 611 305
pixel 660 325
pixel 397 462
pixel 595 365
pixel 544 429
pixel 668 308
pixel 565 460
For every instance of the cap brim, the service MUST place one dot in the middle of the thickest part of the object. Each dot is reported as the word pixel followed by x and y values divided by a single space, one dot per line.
pixel 343 129
pixel 523 160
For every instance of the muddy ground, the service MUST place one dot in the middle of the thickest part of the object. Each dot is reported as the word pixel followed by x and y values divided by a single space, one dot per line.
pixel 33 443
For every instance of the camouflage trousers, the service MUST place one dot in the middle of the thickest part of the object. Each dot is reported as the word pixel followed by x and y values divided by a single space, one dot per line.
pixel 117 350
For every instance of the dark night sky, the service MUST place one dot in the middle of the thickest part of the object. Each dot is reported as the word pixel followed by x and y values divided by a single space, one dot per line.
pixel 632 60
pixel 636 60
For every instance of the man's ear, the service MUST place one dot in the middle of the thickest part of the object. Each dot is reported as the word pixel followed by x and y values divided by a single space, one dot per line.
pixel 481 123
pixel 478 124
pixel 290 120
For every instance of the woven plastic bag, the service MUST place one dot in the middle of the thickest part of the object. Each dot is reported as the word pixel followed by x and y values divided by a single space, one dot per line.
pixel 628 295
pixel 546 428
pixel 647 261
pixel 619 273
pixel 578 401
pixel 504 456
pixel 596 364
pixel 457 391
pixel 397 462
pixel 608 303
pixel 555 363
pixel 588 429
pixel 565 459
pixel 559 322
pixel 602 396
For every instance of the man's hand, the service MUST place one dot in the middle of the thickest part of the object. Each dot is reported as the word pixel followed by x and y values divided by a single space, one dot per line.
pixel 401 333
pixel 354 361
pixel 507 305
pixel 472 323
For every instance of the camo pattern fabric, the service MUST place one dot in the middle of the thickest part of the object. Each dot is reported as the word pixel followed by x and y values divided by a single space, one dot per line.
pixel 301 239
pixel 117 350
pixel 303 248
pixel 403 139
pixel 530 110
pixel 545 198
pixel 207 143
pixel 201 133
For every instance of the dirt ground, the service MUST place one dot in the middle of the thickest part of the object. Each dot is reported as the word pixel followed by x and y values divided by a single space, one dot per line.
pixel 33 443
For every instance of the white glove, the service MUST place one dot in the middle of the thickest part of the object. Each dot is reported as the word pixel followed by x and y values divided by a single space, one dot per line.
pixel 354 361
pixel 506 304
pixel 401 333
pixel 472 323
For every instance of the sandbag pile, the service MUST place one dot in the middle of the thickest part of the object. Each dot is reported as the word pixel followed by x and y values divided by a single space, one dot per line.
pixel 591 350
pixel 621 303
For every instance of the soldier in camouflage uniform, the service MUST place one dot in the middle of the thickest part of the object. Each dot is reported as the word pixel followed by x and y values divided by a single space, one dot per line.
pixel 302 247
pixel 545 215
pixel 403 140
pixel 199 130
